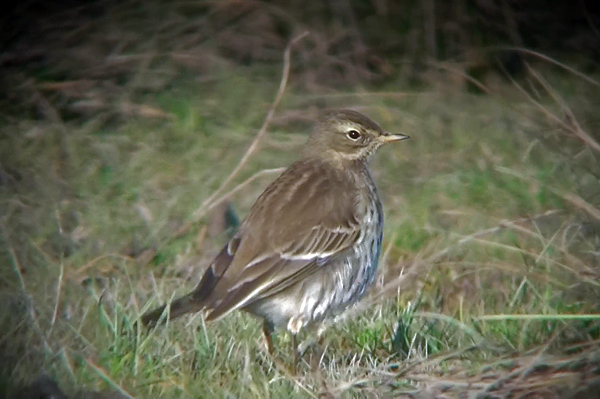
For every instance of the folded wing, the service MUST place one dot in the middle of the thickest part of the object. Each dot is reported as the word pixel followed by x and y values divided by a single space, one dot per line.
pixel 283 242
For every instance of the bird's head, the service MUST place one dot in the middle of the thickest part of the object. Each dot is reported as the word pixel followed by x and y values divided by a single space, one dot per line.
pixel 346 136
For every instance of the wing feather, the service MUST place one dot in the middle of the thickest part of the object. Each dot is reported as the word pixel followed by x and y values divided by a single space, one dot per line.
pixel 283 242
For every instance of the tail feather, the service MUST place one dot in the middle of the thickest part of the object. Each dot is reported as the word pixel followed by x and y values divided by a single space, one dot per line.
pixel 200 298
pixel 177 308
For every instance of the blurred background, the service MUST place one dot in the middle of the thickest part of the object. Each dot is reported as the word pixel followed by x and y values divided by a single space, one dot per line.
pixel 122 127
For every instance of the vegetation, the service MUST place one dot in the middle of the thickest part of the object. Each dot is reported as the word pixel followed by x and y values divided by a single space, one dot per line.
pixel 489 279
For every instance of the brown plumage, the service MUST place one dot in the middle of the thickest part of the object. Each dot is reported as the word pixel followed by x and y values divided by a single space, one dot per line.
pixel 310 244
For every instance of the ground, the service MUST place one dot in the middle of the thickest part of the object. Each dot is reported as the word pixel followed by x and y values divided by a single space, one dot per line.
pixel 488 282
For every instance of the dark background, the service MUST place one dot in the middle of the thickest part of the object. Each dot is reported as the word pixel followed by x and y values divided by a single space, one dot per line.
pixel 369 33
pixel 118 118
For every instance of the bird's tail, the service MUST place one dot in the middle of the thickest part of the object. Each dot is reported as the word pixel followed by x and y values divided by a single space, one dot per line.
pixel 179 307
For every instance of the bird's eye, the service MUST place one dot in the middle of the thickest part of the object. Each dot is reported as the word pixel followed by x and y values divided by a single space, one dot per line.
pixel 353 135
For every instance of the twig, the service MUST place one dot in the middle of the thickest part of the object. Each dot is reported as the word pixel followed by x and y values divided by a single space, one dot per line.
pixel 392 94
pixel 475 336
pixel 464 75
pixel 574 126
pixel 544 110
pixel 216 198
pixel 538 317
pixel 574 199
pixel 571 125
pixel 186 227
pixel 200 212
pixel 525 253
pixel 80 272
pixel 589 19
pixel 552 61
pixel 60 277
pixel 586 268
pixel 429 362
pixel 542 240
pixel 412 271
pixel 580 203
pixel 142 69
pixel 503 225
pixel 242 185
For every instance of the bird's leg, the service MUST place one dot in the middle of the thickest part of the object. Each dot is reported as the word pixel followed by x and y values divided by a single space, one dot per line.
pixel 294 342
pixel 267 331
pixel 314 345
pixel 320 349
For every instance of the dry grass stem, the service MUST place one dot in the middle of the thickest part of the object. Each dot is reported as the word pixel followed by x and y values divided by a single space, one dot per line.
pixel 198 214
pixel 488 283
pixel 552 61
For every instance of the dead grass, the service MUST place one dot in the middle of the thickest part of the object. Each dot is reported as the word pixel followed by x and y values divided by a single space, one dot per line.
pixel 488 285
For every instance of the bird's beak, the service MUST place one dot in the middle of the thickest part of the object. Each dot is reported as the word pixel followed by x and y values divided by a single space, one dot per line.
pixel 390 138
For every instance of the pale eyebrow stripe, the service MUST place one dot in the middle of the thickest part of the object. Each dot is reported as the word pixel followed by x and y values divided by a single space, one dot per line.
pixel 349 125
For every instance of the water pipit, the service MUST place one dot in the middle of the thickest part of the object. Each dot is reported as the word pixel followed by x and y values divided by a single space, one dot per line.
pixel 310 245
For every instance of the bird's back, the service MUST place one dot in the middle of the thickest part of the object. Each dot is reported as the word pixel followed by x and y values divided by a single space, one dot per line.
pixel 304 216
pixel 338 280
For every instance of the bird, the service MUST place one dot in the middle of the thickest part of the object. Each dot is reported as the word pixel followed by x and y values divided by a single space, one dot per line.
pixel 310 245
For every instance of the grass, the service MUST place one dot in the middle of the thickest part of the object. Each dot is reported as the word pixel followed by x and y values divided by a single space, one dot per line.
pixel 485 262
